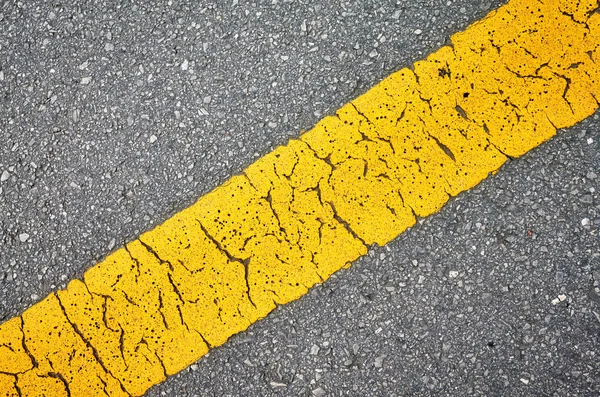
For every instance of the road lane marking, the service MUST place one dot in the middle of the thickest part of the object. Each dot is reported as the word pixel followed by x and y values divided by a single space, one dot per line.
pixel 297 215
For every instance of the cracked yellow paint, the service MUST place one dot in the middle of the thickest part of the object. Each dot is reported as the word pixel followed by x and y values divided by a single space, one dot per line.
pixel 299 214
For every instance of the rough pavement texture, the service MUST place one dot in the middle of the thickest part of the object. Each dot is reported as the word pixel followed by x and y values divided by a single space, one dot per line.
pixel 96 148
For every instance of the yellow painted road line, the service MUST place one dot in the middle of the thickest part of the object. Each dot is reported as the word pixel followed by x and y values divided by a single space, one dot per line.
pixel 312 207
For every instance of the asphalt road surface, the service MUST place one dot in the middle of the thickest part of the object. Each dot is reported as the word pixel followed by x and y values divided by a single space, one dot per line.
pixel 113 117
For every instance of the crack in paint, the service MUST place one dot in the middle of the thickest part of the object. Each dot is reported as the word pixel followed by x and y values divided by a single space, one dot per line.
pixel 61 378
pixel 244 262
pixel 87 343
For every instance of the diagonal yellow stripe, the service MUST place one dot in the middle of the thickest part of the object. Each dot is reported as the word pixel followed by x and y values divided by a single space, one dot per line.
pixel 302 212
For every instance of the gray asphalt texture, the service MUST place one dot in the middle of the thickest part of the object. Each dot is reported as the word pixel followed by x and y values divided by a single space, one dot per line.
pixel 115 116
